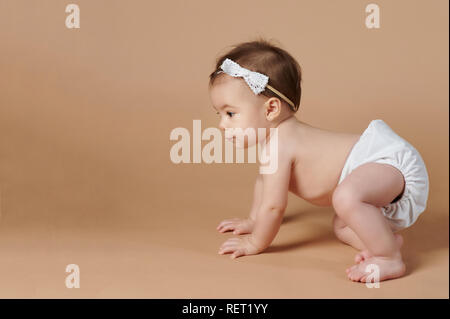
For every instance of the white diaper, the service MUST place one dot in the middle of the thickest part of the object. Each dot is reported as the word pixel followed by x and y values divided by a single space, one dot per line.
pixel 380 144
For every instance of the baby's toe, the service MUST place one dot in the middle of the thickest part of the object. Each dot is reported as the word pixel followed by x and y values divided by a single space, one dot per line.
pixel 355 273
pixel 364 278
pixel 349 271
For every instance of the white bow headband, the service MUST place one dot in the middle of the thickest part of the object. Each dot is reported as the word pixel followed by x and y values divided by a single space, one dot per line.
pixel 255 80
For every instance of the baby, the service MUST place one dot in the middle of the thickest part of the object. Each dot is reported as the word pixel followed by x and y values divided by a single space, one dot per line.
pixel 376 182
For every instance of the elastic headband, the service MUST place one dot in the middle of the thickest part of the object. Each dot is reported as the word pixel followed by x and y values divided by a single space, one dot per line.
pixel 255 80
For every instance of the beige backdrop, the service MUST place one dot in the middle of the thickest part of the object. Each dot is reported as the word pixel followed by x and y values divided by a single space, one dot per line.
pixel 85 118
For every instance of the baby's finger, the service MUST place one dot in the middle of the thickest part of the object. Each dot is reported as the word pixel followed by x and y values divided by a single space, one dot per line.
pixel 238 253
pixel 227 228
pixel 229 243
pixel 220 225
pixel 229 220
pixel 227 250
pixel 225 222
pixel 240 230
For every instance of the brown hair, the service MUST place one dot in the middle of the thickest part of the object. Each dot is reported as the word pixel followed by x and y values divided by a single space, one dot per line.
pixel 261 56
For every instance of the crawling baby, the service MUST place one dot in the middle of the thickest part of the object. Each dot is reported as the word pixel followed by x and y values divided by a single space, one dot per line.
pixel 376 182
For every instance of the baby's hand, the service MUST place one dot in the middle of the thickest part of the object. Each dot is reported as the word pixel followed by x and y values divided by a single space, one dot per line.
pixel 237 225
pixel 239 246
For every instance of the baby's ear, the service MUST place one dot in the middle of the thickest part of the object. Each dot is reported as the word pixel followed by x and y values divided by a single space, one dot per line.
pixel 272 108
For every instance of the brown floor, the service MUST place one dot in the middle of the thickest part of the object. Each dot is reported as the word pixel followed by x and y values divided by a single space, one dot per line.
pixel 169 249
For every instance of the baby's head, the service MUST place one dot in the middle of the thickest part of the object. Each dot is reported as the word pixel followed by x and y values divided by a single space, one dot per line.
pixel 234 100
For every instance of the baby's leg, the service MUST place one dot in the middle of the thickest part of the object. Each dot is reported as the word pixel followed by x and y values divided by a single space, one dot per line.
pixel 345 234
pixel 357 201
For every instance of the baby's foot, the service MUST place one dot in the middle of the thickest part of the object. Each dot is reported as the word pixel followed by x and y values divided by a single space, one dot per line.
pixel 389 268
pixel 365 254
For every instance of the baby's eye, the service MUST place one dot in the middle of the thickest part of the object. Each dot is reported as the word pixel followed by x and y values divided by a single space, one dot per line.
pixel 230 114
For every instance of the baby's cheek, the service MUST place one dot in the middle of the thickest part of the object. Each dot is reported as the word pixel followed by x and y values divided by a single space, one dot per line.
pixel 246 142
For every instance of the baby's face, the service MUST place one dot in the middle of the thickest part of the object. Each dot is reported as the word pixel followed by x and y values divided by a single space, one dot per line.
pixel 238 107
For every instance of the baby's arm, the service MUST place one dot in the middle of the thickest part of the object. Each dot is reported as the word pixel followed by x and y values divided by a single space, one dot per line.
pixel 257 197
pixel 244 226
pixel 268 216
pixel 273 204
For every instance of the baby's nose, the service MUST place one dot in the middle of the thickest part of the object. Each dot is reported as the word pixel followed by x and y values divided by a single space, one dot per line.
pixel 221 127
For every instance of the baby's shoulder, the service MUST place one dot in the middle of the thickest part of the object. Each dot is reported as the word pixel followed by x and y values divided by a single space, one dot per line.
pixel 283 141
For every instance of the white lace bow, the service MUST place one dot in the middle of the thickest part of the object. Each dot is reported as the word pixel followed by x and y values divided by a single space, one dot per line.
pixel 255 80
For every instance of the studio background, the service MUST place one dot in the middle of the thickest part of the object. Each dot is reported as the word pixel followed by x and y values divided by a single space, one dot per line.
pixel 85 119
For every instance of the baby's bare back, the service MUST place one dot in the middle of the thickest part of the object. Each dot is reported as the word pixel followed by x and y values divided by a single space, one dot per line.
pixel 319 159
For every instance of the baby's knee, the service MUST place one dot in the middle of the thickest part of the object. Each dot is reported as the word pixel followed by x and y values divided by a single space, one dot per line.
pixel 344 201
